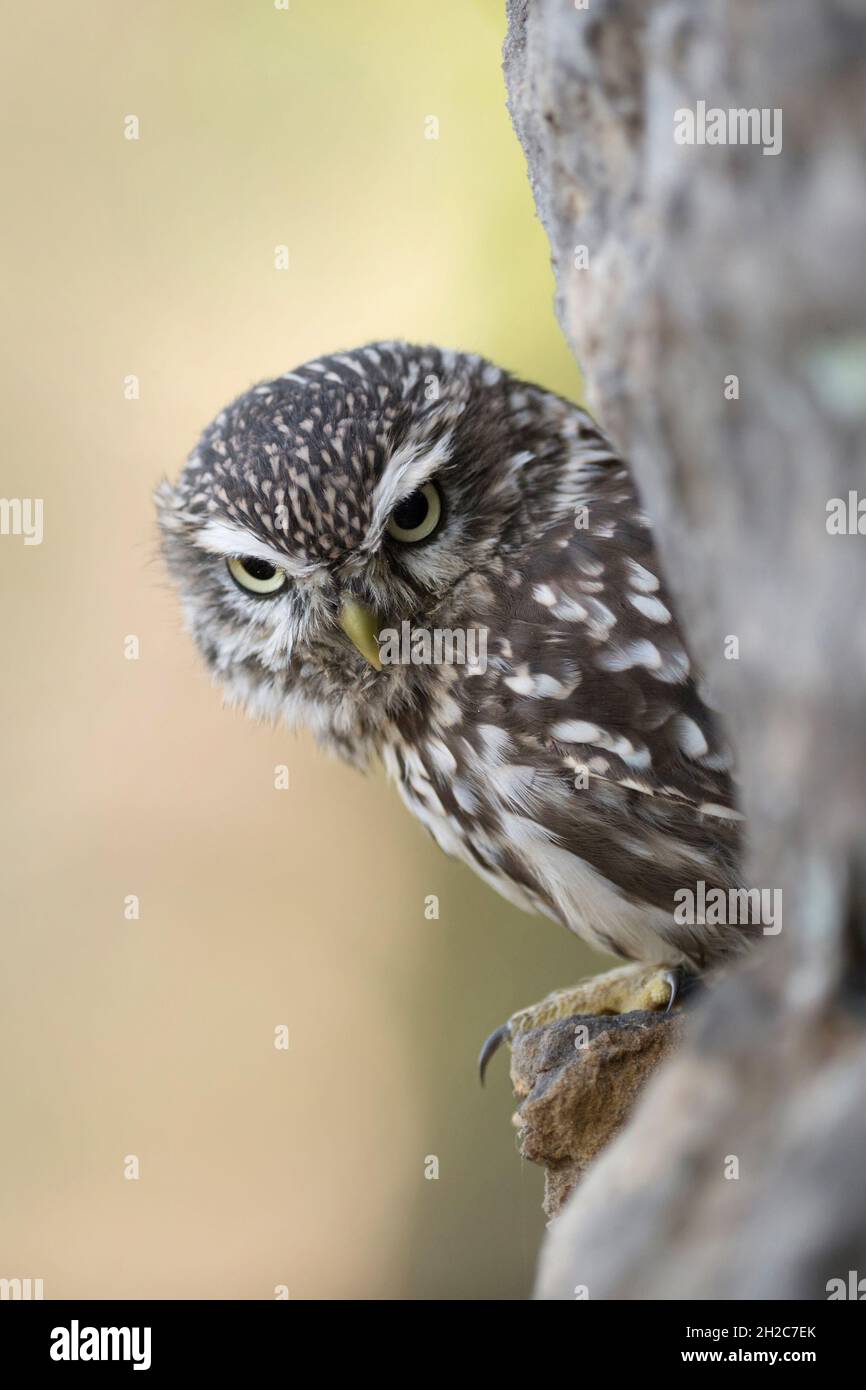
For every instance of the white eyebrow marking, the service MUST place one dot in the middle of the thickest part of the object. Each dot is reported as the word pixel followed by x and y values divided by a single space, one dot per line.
pixel 222 538
pixel 408 468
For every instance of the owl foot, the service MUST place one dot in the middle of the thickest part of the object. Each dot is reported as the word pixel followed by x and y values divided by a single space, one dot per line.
pixel 620 991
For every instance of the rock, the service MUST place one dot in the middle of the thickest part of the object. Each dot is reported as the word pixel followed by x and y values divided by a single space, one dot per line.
pixel 577 1081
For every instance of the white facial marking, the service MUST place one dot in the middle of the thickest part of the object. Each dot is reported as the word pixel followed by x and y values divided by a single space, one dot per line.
pixel 222 538
pixel 407 469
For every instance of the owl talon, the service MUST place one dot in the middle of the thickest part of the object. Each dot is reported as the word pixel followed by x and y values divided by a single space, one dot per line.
pixel 674 979
pixel 491 1047
pixel 683 984
pixel 620 991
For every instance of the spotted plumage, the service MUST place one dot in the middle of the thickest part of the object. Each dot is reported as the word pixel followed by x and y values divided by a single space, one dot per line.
pixel 578 768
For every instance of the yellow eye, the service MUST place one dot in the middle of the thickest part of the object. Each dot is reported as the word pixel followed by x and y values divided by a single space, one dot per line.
pixel 417 516
pixel 256 576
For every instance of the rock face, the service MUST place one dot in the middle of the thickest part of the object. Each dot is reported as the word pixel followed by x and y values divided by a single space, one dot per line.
pixel 577 1081
pixel 715 298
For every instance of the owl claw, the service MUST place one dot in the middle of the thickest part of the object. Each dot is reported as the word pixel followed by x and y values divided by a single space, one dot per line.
pixel 674 979
pixel 622 990
pixel 683 985
pixel 491 1047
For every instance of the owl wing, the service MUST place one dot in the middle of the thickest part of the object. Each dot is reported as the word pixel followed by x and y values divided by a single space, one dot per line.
pixel 607 741
pixel 595 643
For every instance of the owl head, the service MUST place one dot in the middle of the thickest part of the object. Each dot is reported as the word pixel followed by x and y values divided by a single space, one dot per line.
pixel 348 496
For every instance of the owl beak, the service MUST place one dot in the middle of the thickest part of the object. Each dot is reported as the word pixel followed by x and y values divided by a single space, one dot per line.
pixel 361 626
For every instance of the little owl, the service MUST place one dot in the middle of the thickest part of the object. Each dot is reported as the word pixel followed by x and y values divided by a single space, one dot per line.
pixel 577 768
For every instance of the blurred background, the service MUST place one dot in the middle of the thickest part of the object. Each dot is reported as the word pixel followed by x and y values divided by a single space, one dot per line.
pixel 154 1037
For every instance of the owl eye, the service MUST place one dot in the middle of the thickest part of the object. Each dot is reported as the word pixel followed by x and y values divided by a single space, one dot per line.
pixel 256 576
pixel 417 516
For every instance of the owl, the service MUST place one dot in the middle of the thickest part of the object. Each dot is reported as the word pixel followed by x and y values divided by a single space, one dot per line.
pixel 333 522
